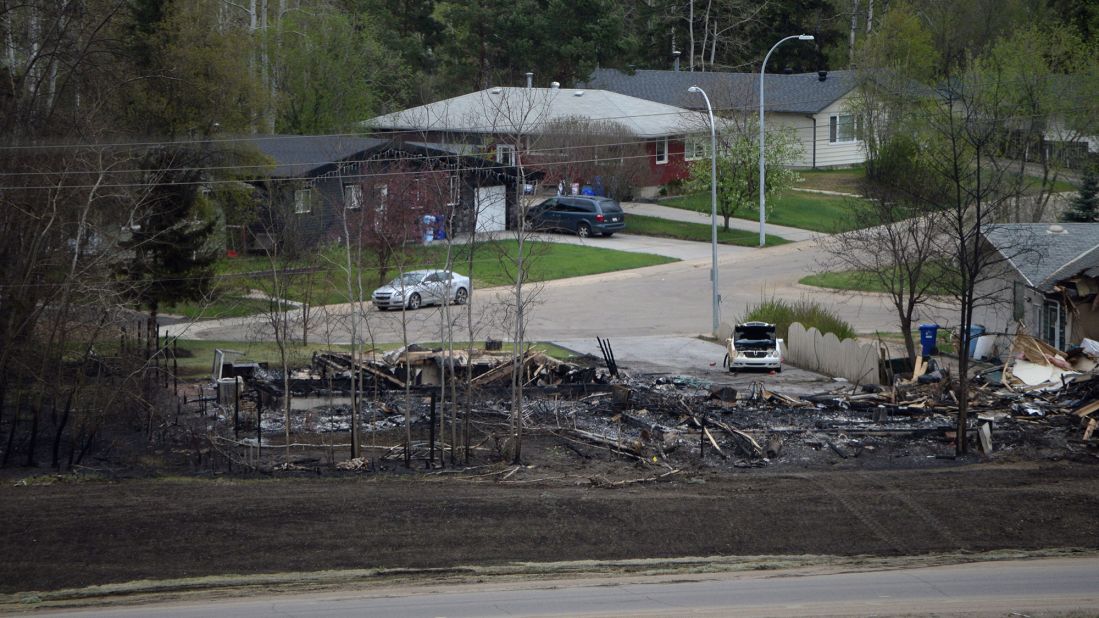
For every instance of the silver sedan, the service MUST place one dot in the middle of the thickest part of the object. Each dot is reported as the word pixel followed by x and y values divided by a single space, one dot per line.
pixel 417 288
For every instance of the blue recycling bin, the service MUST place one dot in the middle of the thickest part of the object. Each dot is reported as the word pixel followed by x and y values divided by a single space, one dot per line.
pixel 975 332
pixel 440 227
pixel 929 334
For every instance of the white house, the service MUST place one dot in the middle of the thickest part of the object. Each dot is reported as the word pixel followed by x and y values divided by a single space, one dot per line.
pixel 814 105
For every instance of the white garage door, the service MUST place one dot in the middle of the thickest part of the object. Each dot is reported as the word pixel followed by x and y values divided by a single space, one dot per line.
pixel 491 209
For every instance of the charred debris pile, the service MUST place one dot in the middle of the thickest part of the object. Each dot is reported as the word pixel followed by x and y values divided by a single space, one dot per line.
pixel 1040 404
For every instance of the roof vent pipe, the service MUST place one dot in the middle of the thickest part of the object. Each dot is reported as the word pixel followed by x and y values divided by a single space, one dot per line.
pixel 530 79
pixel 555 85
pixel 675 63
pixel 822 75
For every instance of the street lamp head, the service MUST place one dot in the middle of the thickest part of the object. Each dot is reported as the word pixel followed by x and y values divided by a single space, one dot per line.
pixel 805 37
pixel 694 89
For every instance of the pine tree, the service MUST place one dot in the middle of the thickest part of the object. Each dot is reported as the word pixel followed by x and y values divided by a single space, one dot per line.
pixel 1085 206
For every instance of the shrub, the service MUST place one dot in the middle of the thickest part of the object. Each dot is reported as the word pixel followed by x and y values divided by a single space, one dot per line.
pixel 783 313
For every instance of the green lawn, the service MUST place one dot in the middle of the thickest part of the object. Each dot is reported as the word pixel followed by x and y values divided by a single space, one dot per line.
pixel 197 356
pixel 663 228
pixel 844 180
pixel 1060 186
pixel 858 281
pixel 493 264
pixel 807 211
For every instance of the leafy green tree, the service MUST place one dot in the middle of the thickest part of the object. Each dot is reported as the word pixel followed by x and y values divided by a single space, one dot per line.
pixel 195 71
pixel 1084 207
pixel 894 62
pixel 331 71
pixel 738 170
pixel 490 41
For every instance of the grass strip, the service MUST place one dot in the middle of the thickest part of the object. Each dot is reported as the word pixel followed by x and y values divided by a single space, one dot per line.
pixel 682 230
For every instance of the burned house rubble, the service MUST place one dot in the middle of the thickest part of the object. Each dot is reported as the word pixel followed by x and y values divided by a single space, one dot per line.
pixel 452 408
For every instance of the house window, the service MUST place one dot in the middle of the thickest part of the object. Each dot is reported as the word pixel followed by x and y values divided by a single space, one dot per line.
pixel 696 147
pixel 842 129
pixel 505 154
pixel 353 197
pixel 454 190
pixel 1052 327
pixel 381 196
pixel 303 201
pixel 662 151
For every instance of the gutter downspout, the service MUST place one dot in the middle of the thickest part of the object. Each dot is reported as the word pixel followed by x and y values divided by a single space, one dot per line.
pixel 814 119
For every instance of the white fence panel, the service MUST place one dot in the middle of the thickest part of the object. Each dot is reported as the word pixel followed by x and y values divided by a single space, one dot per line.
pixel 826 354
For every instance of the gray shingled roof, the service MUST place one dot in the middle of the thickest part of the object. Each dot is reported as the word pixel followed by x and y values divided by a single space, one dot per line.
pixel 297 156
pixel 801 93
pixel 510 110
pixel 1047 258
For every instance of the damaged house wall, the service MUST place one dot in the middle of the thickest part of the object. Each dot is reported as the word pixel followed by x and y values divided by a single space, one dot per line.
pixel 1039 285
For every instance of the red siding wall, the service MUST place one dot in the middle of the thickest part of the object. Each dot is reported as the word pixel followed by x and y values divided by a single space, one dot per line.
pixel 675 169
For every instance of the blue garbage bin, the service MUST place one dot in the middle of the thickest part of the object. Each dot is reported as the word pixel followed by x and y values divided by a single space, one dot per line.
pixel 975 331
pixel 929 334
pixel 440 227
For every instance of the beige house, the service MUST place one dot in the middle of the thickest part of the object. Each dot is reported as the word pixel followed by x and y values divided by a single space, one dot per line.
pixel 815 106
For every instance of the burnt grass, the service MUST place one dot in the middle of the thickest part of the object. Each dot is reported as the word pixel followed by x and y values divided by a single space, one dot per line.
pixel 835 481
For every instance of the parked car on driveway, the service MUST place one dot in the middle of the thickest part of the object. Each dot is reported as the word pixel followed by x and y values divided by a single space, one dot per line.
pixel 582 215
pixel 754 346
pixel 423 287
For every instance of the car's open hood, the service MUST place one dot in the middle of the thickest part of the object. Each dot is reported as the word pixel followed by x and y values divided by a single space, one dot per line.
pixel 755 335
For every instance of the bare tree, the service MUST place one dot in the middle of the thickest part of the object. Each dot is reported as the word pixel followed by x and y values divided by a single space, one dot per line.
pixel 589 151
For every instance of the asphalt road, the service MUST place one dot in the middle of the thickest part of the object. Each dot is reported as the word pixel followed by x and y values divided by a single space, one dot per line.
pixel 991 588
pixel 668 300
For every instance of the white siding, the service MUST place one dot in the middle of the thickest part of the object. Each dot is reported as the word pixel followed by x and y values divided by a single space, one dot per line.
pixel 802 126
pixel 835 154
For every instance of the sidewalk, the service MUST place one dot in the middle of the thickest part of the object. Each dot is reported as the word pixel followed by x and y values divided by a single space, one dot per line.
pixel 792 234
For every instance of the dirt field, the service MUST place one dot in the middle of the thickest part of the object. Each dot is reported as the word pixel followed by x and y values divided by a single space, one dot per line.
pixel 72 534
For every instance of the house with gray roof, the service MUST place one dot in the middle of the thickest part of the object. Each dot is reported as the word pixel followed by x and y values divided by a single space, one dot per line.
pixel 511 125
pixel 1050 281
pixel 816 106
pixel 307 185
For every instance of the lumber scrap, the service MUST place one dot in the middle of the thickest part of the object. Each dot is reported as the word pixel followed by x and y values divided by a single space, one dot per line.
pixel 984 432
pixel 1088 409
pixel 628 446
pixel 1090 429
pixel 710 437
pixel 498 372
pixel 380 374
pixel 756 450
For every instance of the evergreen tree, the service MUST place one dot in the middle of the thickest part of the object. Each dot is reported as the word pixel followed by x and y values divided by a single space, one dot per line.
pixel 170 254
pixel 1084 208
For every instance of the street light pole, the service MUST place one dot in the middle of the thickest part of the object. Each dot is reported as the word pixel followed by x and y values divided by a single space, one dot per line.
pixel 762 165
pixel 713 209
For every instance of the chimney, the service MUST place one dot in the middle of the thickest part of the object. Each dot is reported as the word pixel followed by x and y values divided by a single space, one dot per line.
pixel 555 85
pixel 675 63
pixel 530 79
pixel 822 75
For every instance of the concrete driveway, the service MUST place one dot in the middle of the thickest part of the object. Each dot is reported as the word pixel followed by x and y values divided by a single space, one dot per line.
pixel 698 358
